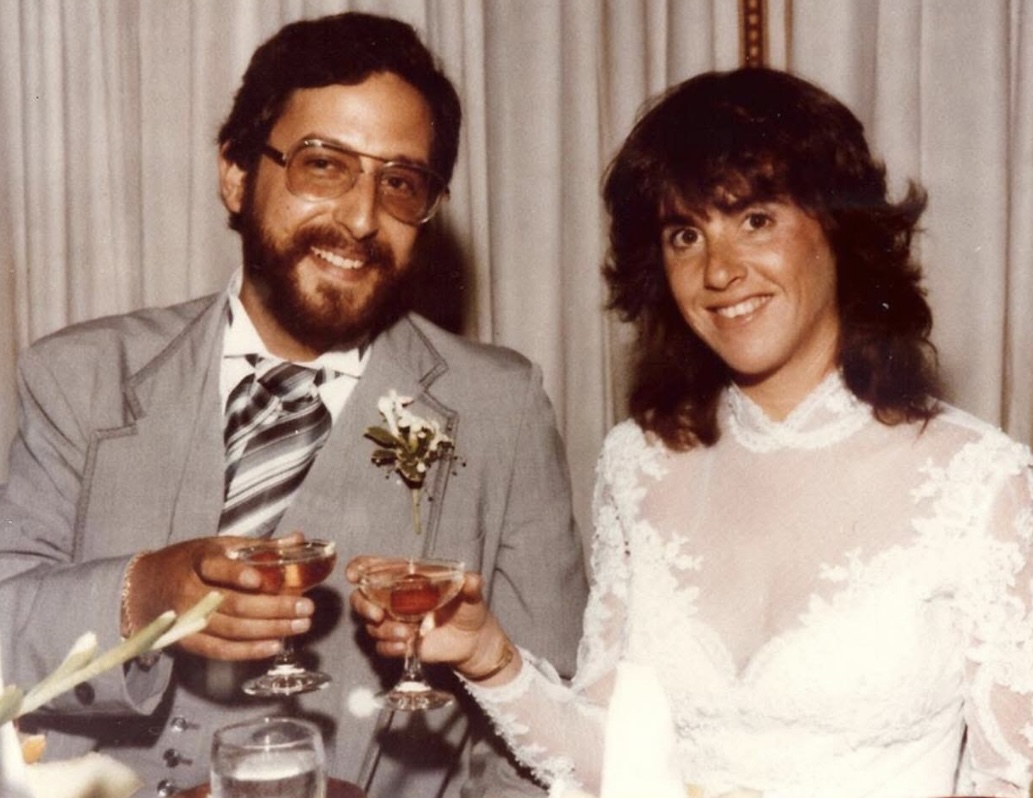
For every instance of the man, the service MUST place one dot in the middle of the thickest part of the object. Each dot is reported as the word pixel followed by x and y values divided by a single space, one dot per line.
pixel 339 146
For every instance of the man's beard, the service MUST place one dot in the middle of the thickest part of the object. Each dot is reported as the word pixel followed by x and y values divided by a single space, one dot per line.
pixel 331 317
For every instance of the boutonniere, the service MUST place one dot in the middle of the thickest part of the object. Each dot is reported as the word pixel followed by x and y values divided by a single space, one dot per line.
pixel 408 445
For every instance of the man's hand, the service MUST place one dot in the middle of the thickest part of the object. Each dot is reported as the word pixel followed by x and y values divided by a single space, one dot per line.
pixel 247 625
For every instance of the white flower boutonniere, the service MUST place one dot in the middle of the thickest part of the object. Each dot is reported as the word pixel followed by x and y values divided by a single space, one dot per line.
pixel 408 445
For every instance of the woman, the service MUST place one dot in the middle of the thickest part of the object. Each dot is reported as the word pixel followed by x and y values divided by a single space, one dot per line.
pixel 826 566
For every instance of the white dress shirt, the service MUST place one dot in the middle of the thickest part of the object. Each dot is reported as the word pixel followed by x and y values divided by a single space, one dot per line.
pixel 242 339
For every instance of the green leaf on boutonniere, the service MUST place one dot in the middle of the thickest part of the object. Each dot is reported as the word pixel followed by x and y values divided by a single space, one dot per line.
pixel 382 437
pixel 383 457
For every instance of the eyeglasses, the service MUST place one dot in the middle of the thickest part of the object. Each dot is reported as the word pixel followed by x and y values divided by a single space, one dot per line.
pixel 320 170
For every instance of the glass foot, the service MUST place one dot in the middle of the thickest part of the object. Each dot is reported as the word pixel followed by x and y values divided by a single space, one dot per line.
pixel 415 697
pixel 286 680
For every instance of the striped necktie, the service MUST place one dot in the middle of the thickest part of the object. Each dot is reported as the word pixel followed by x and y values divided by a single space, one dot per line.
pixel 275 425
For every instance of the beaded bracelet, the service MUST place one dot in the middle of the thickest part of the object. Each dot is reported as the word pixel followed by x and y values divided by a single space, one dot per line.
pixel 125 622
pixel 126 626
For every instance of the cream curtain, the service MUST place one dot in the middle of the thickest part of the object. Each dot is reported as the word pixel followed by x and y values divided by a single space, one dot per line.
pixel 109 109
pixel 945 88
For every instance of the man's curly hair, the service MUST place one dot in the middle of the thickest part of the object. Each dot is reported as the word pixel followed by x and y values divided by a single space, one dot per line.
pixel 342 49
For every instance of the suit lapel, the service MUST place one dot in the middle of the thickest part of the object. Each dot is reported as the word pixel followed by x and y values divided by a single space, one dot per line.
pixel 178 405
pixel 346 497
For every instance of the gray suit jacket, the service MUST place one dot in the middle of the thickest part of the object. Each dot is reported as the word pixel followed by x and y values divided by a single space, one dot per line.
pixel 120 450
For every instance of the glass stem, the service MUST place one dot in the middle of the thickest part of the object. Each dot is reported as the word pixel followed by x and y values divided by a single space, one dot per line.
pixel 286 656
pixel 412 670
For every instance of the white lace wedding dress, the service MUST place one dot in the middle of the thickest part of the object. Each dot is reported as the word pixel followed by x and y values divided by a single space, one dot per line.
pixel 834 608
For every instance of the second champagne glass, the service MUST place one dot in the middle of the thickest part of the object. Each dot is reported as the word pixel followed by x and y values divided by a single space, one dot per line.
pixel 290 569
pixel 408 590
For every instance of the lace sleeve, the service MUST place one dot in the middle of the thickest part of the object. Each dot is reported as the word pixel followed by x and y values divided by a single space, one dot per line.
pixel 999 667
pixel 557 729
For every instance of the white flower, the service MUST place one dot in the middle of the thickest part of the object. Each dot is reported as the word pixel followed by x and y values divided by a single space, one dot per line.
pixel 391 407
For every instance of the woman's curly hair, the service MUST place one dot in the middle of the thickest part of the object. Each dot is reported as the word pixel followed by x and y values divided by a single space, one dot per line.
pixel 759 134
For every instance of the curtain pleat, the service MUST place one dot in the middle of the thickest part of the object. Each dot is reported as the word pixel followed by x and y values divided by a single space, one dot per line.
pixel 1017 260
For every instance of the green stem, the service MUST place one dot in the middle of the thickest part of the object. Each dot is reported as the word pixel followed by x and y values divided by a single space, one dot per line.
pixel 415 495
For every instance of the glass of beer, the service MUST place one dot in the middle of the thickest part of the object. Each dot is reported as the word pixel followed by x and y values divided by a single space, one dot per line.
pixel 268 758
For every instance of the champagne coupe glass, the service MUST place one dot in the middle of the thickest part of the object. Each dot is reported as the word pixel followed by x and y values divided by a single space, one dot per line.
pixel 291 569
pixel 408 590
pixel 268 758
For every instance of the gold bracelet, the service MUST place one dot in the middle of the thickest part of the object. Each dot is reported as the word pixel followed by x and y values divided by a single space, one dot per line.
pixel 505 658
pixel 125 622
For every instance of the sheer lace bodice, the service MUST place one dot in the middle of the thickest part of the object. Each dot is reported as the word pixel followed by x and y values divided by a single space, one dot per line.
pixel 832 605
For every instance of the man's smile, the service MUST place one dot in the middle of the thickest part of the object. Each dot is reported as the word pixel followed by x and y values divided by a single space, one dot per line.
pixel 337 260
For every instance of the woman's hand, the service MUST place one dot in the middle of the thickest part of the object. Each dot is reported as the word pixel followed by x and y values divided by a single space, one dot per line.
pixel 464 633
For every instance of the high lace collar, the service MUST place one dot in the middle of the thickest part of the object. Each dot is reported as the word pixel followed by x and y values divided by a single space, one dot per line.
pixel 829 414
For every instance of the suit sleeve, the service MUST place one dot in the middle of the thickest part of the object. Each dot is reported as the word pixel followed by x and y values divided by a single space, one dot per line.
pixel 539 586
pixel 50 597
